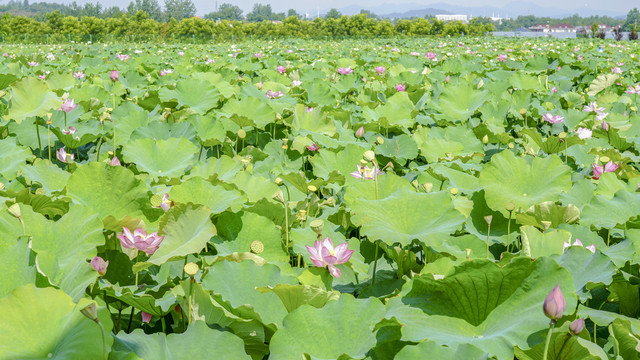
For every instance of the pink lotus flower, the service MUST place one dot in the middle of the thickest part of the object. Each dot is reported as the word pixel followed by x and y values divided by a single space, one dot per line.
pixel 166 204
pixel 281 69
pixel 324 254
pixel 601 116
pixel 42 77
pixel 580 58
pixel 554 304
pixel 366 173
pixel 552 119
pixel 566 245
pixel 257 55
pixel 554 89
pixel 380 70
pixel 274 94
pixel 577 326
pixel 98 264
pixel 115 161
pixel 313 147
pixel 210 61
pixel 447 79
pixel 146 317
pixel 33 63
pixel 71 131
pixel 123 57
pixel 114 75
pixel 616 70
pixel 599 170
pixel 5 54
pixel 62 155
pixel 345 71
pixel 79 75
pixel 502 57
pixel 180 53
pixel 633 89
pixel 296 83
pixel 164 72
pixel 414 53
pixel 140 240
pixel 360 132
pixel 68 105
pixel 584 133
pixel 592 107
pixel 605 126
pixel 401 87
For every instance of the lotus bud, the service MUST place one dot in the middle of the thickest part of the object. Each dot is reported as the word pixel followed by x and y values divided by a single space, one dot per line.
pixel 242 134
pixel 546 224
pixel 278 196
pixel 312 188
pixel 427 187
pixel 454 191
pixel 468 252
pixel 90 312
pixel 146 317
pixel 555 304
pixel 257 246
pixel 380 140
pixel 510 207
pixel 577 326
pixel 15 210
pixel 369 155
pixel 488 219
pixel 317 226
pixel 278 181
pixel 191 269
pixel 259 85
pixel 278 117
pixel 98 264
pixel 360 132
pixel 485 139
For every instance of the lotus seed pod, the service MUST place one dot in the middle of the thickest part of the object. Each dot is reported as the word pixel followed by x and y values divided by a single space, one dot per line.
pixel 510 146
pixel 454 191
pixel 285 146
pixel 312 188
pixel 488 219
pixel 485 139
pixel 278 181
pixel 242 134
pixel 317 226
pixel 555 304
pixel 40 191
pixel 389 165
pixel 380 140
pixel 285 140
pixel 510 206
pixel 156 200
pixel 562 135
pixel 15 210
pixel 546 224
pixel 331 201
pixel 363 162
pixel 90 312
pixel 604 159
pixel 257 246
pixel 191 268
pixel 427 187
pixel 279 196
pixel 416 185
pixel 523 111
pixel 369 155
pixel 301 215
pixel 577 326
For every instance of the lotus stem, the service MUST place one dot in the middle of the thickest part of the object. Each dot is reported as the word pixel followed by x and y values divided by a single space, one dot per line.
pixel 104 340
pixel 65 120
pixel 509 231
pixel 608 236
pixel 49 141
pixel 488 233
pixel 375 265
pixel 38 135
pixel 548 341
pixel 286 224
pixel 190 296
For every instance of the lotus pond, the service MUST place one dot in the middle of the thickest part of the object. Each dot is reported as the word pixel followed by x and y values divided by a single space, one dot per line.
pixel 413 198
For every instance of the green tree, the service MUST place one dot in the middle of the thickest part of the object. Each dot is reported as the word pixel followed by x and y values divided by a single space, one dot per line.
pixel 333 14
pixel 633 18
pixel 151 7
pixel 226 12
pixel 261 13
pixel 179 9
pixel 595 28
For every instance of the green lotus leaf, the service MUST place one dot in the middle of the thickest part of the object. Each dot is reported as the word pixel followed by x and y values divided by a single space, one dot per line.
pixel 523 181
pixel 51 177
pixel 249 111
pixel 15 266
pixel 463 351
pixel 459 101
pixel 12 157
pixel 344 162
pixel 108 190
pixel 477 224
pixel 294 296
pixel 315 121
pixel 347 327
pixel 165 131
pixel 319 93
pixel 186 230
pixel 236 282
pixel 396 112
pixel 552 144
pixel 45 323
pixel 60 80
pixel 406 215
pixel 223 168
pixel 199 339
pixel 401 148
pixel 476 302
pixel 537 244
pixel 447 143
pixel 200 191
pixel 30 97
pixel 64 247
pixel 199 95
pixel 238 231
pixel 387 185
pixel 255 187
pixel 586 268
pixel 564 345
pixel 604 318
pixel 168 158
pixel 607 213
pixel 627 339
pixel 549 211
pixel 602 82
pixel 128 117
pixel 130 295
pixel 210 130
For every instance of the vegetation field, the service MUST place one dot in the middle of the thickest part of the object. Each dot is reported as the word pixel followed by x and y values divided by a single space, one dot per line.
pixel 451 198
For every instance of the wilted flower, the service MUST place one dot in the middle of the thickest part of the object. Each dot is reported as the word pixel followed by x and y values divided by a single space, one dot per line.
pixel 42 77
pixel 592 107
pixel 599 170
pixel 114 75
pixel 313 147
pixel 360 132
pixel 79 75
pixel 324 254
pixel 502 57
pixel 552 119
pixel 62 155
pixel 164 72
pixel 146 317
pixel 380 70
pixel 68 105
pixel 345 71
pixel 71 131
pixel 281 69
pixel 414 53
pixel 366 173
pixel 577 326
pixel 98 264
pixel 584 133
pixel 140 240
pixel 400 87
pixel 274 94
pixel 555 304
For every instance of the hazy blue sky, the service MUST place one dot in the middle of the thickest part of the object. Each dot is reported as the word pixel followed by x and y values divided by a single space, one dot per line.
pixel 205 6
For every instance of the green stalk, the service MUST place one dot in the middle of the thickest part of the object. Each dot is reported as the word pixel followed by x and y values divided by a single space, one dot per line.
pixel 509 231
pixel 49 141
pixel 38 134
pixel 488 233
pixel 375 261
pixel 65 121
pixel 286 225
pixel 104 340
pixel 548 341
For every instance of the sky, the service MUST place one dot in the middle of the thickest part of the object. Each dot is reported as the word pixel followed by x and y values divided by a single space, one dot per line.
pixel 311 6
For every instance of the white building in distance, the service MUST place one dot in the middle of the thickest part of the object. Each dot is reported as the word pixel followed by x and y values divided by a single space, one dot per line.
pixel 447 18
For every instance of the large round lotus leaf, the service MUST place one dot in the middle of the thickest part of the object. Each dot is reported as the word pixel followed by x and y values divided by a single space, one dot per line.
pixel 256 187
pixel 564 345
pixel 128 117
pixel 186 230
pixel 169 157
pixel 45 323
pixel 401 148
pixel 523 181
pixel 65 246
pixel 627 339
pixel 436 143
pixel 223 168
pixel 549 211
pixel 607 213
pixel 586 268
pixel 51 177
pixel 199 95
pixel 397 111
pixel 30 97
pixel 435 351
pixel 236 284
pixel 406 215
pixel 315 121
pixel 294 296
pixel 199 341
pixel 476 302
pixel 12 157
pixel 200 191
pixel 108 190
pixel 459 101
pixel 346 326
pixel 249 111
pixel 15 265
pixel 238 231
pixel 344 162
pixel 387 185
